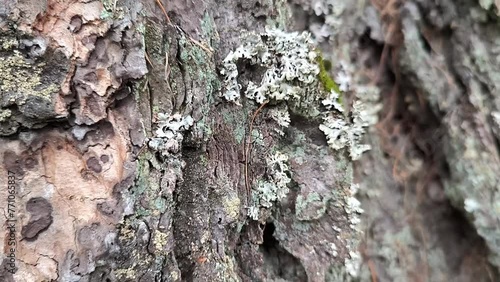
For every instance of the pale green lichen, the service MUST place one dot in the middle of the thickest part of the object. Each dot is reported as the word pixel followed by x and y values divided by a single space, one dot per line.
pixel 274 188
pixel 487 4
pixel 290 62
pixel 5 114
pixel 232 207
pixel 131 272
pixel 282 118
pixel 332 11
pixel 168 137
pixel 112 10
pixel 311 201
pixel 257 137
pixel 293 74
pixel 234 119
pixel 227 271
pixel 9 43
pixel 342 133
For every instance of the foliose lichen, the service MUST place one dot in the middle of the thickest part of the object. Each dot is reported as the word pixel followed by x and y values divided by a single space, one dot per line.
pixel 168 137
pixel 274 188
pixel 294 73
pixel 341 133
pixel 289 59
pixel 332 11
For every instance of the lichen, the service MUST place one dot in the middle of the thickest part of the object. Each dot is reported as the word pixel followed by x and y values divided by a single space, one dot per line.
pixel 313 201
pixel 352 208
pixel 342 133
pixel 272 189
pixel 112 10
pixel 238 128
pixel 18 75
pixel 282 118
pixel 232 206
pixel 168 137
pixel 293 72
pixel 5 114
pixel 160 240
pixel 290 65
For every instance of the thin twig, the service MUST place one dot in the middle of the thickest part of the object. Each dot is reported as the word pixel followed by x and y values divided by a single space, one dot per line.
pixel 247 151
pixel 147 59
pixel 202 46
pixel 163 10
pixel 373 272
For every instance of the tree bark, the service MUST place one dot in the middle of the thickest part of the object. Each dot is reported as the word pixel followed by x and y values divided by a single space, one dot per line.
pixel 100 193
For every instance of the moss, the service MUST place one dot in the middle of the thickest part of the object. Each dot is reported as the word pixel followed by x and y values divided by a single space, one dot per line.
pixel 324 77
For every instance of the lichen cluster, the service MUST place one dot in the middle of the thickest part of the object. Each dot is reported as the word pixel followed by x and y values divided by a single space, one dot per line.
pixel 274 188
pixel 168 137
pixel 296 79
pixel 289 59
pixel 331 11
pixel 293 73
pixel 341 133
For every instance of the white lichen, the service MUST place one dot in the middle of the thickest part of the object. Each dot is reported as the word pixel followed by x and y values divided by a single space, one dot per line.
pixel 347 130
pixel 282 118
pixel 353 263
pixel 471 205
pixel 331 11
pixel 343 78
pixel 274 188
pixel 496 119
pixel 169 135
pixel 289 59
pixel 331 102
pixel 291 74
pixel 352 206
pixel 343 132
pixel 5 114
pixel 353 210
pixel 253 212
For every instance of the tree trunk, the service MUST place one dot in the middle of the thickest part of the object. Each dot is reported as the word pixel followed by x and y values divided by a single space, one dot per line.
pixel 125 155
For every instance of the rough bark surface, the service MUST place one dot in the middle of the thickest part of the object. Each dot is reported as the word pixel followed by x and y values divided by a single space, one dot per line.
pixel 85 86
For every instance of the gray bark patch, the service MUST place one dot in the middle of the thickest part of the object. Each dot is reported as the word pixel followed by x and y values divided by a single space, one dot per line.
pixel 41 218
